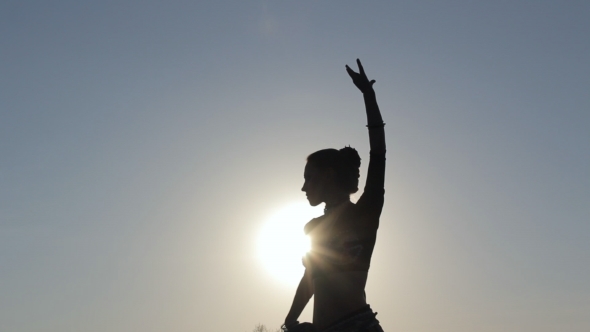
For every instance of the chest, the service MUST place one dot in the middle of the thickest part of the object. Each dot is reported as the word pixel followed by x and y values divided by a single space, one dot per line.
pixel 334 232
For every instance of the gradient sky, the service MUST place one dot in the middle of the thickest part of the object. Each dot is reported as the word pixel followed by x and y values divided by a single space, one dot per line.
pixel 143 144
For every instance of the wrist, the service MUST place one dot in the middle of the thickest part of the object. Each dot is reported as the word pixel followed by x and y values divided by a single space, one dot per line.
pixel 368 92
pixel 289 325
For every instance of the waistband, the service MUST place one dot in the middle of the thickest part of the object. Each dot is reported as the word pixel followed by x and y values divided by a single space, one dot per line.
pixel 358 320
pixel 361 320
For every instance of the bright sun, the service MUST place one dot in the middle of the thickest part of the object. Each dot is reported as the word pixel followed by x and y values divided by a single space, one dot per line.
pixel 282 243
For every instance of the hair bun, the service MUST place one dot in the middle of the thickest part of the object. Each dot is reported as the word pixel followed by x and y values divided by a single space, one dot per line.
pixel 350 156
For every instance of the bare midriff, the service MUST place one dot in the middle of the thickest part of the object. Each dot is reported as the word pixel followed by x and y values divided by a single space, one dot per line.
pixel 337 295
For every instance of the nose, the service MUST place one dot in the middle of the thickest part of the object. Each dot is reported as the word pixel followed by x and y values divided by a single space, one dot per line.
pixel 304 186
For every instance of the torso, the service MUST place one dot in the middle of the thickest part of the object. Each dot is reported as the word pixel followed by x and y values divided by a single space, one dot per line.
pixel 341 241
pixel 342 245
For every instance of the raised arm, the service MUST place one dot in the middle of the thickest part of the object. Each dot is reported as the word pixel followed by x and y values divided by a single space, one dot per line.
pixel 374 120
pixel 373 196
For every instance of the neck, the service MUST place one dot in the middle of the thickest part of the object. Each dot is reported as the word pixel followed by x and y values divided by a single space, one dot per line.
pixel 336 201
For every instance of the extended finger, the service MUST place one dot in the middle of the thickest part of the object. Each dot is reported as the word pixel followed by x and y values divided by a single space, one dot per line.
pixel 361 69
pixel 350 71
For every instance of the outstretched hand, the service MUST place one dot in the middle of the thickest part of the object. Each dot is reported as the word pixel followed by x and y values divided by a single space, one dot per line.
pixel 360 79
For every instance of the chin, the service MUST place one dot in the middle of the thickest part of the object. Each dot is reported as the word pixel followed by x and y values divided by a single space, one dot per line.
pixel 313 203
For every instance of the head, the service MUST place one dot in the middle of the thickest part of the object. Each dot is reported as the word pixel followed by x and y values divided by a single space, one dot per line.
pixel 331 175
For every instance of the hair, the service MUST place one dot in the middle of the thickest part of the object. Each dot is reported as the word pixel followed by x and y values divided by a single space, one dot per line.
pixel 345 163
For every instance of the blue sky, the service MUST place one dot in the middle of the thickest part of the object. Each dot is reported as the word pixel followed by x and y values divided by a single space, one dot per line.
pixel 144 144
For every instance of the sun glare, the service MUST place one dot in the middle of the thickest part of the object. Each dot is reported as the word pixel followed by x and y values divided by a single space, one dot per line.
pixel 282 243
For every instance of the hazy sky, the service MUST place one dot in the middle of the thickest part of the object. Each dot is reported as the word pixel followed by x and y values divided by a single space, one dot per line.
pixel 144 144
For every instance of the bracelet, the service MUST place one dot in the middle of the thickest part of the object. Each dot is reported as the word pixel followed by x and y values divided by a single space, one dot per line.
pixel 377 125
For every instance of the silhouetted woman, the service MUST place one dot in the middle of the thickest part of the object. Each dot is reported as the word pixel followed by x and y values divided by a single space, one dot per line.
pixel 343 238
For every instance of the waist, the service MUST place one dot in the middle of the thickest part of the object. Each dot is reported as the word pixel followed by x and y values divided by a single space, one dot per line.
pixel 361 319
pixel 336 295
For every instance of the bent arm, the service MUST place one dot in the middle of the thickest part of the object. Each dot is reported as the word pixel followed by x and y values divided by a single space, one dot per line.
pixel 302 295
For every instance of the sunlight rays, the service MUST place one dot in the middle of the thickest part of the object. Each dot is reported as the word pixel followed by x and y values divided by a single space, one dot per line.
pixel 281 242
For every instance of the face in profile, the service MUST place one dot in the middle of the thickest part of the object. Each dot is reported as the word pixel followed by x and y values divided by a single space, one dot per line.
pixel 315 184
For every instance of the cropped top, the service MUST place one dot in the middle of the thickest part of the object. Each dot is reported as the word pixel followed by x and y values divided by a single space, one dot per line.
pixel 344 237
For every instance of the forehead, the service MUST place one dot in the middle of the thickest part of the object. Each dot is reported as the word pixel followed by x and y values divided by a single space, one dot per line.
pixel 310 170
